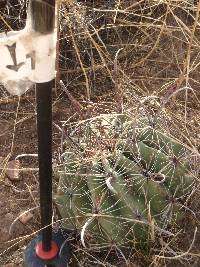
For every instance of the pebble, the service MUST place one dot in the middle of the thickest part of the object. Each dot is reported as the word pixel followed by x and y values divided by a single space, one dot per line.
pixel 26 217
pixel 13 170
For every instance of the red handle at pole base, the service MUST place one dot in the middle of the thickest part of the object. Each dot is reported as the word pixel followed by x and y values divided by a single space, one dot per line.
pixel 46 255
pixel 59 255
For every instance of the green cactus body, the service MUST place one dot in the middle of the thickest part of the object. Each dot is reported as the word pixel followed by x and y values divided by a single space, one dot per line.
pixel 158 140
pixel 155 161
pixel 106 208
pixel 121 195
pixel 68 181
pixel 149 186
pixel 131 208
pixel 82 204
pixel 73 192
pixel 114 203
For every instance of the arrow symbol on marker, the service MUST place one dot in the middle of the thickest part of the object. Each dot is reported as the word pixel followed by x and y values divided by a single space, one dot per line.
pixel 12 51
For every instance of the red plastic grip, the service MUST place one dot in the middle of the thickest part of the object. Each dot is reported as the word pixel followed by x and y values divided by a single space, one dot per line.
pixel 46 255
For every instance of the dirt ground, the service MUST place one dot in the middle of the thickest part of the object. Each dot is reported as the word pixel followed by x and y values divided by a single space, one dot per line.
pixel 158 66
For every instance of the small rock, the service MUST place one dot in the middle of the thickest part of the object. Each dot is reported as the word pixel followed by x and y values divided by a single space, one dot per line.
pixel 13 170
pixel 26 217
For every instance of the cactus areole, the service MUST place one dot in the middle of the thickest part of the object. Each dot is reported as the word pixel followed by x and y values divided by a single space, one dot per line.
pixel 27 58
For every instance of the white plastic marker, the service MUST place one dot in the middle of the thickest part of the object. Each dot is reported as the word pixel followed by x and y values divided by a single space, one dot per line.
pixel 26 57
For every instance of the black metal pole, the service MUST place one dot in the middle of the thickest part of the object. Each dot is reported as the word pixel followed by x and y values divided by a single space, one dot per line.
pixel 48 249
pixel 44 127
pixel 42 15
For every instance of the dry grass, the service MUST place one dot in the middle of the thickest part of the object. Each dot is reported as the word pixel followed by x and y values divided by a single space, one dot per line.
pixel 121 55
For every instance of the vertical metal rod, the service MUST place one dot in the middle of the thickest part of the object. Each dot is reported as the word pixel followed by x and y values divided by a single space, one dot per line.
pixel 42 14
pixel 44 127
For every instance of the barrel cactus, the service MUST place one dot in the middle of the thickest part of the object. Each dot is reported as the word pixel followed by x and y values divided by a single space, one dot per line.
pixel 123 181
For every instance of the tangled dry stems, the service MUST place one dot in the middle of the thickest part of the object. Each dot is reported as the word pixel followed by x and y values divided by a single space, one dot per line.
pixel 132 56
